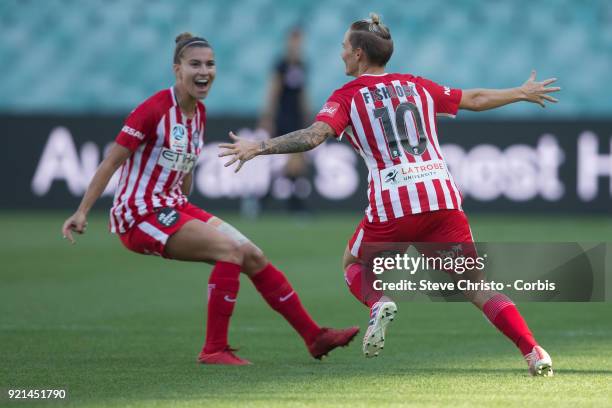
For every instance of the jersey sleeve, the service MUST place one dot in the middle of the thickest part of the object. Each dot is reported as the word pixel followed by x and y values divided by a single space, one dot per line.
pixel 446 99
pixel 138 128
pixel 335 112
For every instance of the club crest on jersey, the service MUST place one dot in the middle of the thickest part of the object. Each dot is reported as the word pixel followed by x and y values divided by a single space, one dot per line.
pixel 167 216
pixel 178 138
pixel 195 142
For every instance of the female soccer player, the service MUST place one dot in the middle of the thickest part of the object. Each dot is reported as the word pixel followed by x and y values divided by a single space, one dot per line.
pixel 390 121
pixel 157 149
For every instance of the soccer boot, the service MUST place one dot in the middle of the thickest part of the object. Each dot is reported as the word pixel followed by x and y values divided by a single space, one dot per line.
pixel 540 363
pixel 328 339
pixel 223 357
pixel 381 314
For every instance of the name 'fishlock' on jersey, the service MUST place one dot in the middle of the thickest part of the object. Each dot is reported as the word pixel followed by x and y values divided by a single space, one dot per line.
pixel 390 120
pixel 165 145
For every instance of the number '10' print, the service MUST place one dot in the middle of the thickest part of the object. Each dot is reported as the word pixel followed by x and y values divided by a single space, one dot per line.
pixel 402 129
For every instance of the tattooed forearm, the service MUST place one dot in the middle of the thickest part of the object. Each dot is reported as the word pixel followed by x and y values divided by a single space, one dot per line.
pixel 298 141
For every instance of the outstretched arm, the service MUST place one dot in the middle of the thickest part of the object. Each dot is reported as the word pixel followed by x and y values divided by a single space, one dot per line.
pixel 78 221
pixel 530 91
pixel 301 140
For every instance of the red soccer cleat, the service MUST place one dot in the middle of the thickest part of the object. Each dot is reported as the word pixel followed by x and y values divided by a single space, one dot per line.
pixel 328 339
pixel 223 357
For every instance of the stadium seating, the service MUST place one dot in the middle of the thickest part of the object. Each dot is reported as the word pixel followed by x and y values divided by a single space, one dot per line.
pixel 107 55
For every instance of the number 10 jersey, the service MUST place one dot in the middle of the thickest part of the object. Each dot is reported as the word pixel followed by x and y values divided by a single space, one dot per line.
pixel 390 120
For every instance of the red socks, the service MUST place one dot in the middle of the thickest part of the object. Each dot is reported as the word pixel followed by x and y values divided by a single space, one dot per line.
pixel 223 287
pixel 360 286
pixel 505 316
pixel 271 283
pixel 277 291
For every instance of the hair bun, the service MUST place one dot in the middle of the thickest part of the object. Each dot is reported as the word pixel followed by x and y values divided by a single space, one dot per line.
pixel 375 18
pixel 183 37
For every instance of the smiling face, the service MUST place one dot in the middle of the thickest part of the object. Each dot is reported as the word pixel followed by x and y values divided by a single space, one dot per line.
pixel 350 56
pixel 196 71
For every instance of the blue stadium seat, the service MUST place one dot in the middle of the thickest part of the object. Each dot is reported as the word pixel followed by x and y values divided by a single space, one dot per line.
pixel 107 55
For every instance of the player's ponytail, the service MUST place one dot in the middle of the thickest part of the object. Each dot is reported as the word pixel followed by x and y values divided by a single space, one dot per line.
pixel 185 40
pixel 374 38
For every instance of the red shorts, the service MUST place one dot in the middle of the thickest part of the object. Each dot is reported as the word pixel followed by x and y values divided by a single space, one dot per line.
pixel 443 227
pixel 150 235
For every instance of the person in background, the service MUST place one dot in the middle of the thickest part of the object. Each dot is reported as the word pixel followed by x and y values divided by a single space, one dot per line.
pixel 286 110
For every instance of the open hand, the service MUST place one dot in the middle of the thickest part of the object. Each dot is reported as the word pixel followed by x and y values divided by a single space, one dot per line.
pixel 242 150
pixel 537 92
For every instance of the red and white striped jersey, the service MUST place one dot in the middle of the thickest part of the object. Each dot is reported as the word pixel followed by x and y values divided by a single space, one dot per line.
pixel 390 120
pixel 165 145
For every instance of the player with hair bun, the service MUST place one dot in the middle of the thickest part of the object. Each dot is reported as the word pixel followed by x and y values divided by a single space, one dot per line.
pixel 390 120
pixel 157 149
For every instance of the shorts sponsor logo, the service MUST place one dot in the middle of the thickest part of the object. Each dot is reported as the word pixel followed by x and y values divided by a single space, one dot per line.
pixel 405 174
pixel 454 251
pixel 178 138
pixel 133 132
pixel 167 216
pixel 329 109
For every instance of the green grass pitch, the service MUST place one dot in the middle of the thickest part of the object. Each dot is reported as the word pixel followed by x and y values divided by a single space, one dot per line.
pixel 118 329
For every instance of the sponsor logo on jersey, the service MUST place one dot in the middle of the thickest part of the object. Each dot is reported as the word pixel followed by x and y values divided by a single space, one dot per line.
pixel 178 138
pixel 446 91
pixel 405 174
pixel 391 176
pixel 167 216
pixel 176 161
pixel 133 132
pixel 329 109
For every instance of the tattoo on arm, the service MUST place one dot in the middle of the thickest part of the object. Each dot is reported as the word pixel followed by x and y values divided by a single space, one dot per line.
pixel 298 141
